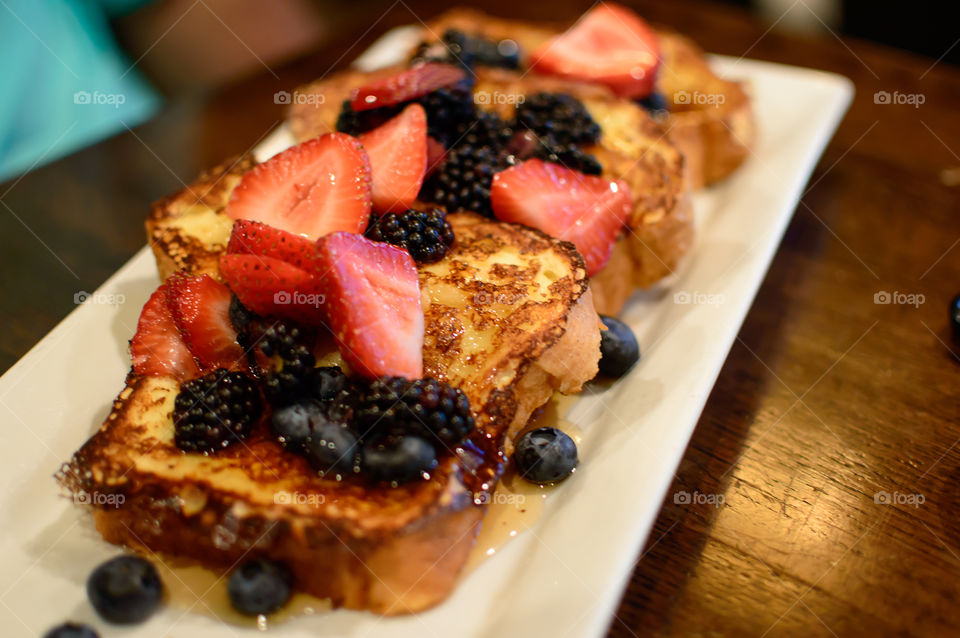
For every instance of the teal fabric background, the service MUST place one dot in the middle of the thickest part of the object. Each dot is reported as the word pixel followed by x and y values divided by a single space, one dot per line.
pixel 65 83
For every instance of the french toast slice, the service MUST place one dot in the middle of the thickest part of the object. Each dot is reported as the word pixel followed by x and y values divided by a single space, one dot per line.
pixel 632 147
pixel 509 319
pixel 714 133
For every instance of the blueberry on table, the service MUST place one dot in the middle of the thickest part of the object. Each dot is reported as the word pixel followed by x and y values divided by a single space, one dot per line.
pixel 71 630
pixel 125 590
pixel 955 317
pixel 545 455
pixel 259 586
pixel 619 349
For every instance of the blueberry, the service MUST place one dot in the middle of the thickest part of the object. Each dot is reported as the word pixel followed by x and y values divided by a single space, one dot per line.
pixel 619 349
pixel 125 589
pixel 259 586
pixel 331 445
pixel 292 423
pixel 71 630
pixel 398 458
pixel 326 383
pixel 545 455
pixel 955 317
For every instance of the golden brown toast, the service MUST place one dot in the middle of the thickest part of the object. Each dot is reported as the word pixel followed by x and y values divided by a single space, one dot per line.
pixel 509 320
pixel 632 147
pixel 714 132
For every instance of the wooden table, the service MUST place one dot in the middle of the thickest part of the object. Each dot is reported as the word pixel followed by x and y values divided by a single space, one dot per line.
pixel 827 399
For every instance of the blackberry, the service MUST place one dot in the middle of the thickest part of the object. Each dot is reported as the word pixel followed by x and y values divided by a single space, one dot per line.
pixel 215 410
pixel 485 129
pixel 291 345
pixel 240 315
pixel 569 156
pixel 558 116
pixel 355 122
pixel 447 109
pixel 394 406
pixel 424 234
pixel 463 180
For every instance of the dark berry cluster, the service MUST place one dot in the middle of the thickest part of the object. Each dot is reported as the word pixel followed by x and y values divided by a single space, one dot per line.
pixel 456 47
pixel 463 181
pixel 426 235
pixel 291 346
pixel 558 117
pixel 425 407
pixel 215 410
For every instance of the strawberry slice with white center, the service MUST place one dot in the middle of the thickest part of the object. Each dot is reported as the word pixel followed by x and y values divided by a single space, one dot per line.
pixel 201 309
pixel 587 210
pixel 610 45
pixel 275 288
pixel 373 305
pixel 398 159
pixel 312 189
pixel 157 348
pixel 255 238
pixel 406 85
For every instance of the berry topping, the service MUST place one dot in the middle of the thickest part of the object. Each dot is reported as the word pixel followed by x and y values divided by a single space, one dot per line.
pixel 71 630
pixel 619 349
pixel 398 159
pixel 271 287
pixel 157 348
pixel 327 383
pixel 655 103
pixel 312 189
pixel 436 153
pixel 259 586
pixel 406 85
pixel 201 309
pixel 463 180
pixel 373 305
pixel 125 589
pixel 331 446
pixel 215 410
pixel 557 116
pixel 447 109
pixel 545 455
pixel 609 45
pixel 586 210
pixel 398 459
pixel 426 235
pixel 291 346
pixel 458 48
pixel 291 423
pixel 425 407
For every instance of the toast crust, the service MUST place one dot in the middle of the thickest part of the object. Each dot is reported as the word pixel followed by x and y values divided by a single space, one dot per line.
pixel 387 549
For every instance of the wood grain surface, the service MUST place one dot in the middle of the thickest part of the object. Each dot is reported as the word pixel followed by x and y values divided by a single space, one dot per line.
pixel 831 437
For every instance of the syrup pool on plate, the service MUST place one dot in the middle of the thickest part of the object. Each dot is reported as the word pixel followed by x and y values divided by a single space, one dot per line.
pixel 516 505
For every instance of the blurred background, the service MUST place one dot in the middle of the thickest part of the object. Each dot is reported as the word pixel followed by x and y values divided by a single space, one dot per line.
pixel 94 68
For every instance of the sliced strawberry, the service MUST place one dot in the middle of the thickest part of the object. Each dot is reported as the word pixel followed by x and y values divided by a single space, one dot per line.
pixel 157 348
pixel 398 159
pixel 201 309
pixel 254 238
pixel 436 153
pixel 610 45
pixel 274 288
pixel 312 189
pixel 373 305
pixel 587 210
pixel 406 85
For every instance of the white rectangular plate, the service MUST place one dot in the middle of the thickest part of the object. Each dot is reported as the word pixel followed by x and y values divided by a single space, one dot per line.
pixel 562 577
